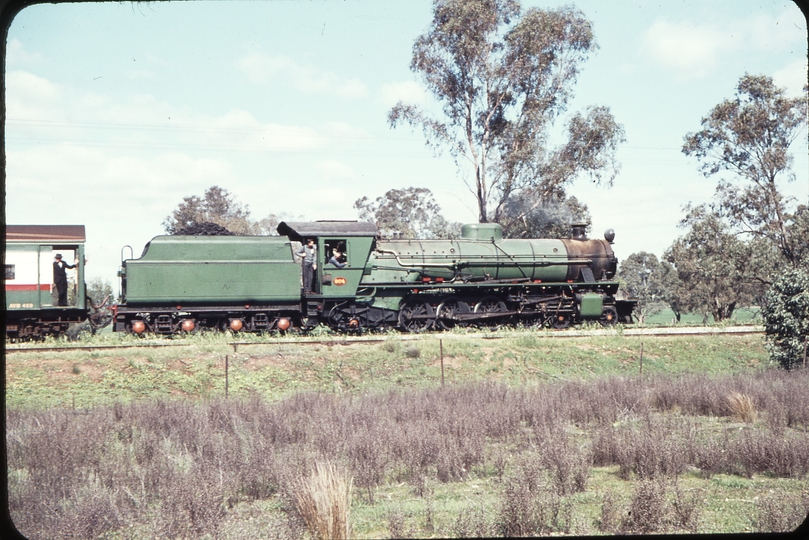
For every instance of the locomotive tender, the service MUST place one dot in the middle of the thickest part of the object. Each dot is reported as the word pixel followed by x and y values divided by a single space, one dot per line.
pixel 253 283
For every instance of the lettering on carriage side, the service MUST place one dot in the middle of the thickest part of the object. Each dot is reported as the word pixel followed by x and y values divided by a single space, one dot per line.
pixel 339 281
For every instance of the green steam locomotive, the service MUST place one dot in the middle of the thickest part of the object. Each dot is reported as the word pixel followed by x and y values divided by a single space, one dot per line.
pixel 254 283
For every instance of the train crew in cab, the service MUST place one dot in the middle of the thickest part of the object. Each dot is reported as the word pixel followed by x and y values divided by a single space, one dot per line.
pixel 308 254
pixel 60 278
pixel 336 258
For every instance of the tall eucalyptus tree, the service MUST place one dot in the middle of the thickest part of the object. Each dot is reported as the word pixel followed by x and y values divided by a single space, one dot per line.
pixel 502 78
pixel 749 136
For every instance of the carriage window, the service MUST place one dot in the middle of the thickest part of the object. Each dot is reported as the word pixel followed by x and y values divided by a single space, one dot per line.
pixel 335 249
pixel 9 271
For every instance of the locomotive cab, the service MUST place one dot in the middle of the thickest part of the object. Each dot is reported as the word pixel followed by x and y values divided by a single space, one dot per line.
pixel 351 240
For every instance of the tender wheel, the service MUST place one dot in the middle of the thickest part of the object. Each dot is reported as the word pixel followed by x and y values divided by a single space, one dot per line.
pixel 491 305
pixel 137 327
pixel 446 312
pixel 560 320
pixel 416 316
pixel 609 316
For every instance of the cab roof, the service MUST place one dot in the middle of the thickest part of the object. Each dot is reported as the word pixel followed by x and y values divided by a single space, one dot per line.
pixel 300 230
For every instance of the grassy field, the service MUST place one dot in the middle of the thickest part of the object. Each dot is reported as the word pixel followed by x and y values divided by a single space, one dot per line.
pixel 747 315
pixel 196 368
pixel 531 433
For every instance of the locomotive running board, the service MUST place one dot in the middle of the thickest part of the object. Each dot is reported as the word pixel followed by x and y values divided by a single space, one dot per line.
pixel 466 316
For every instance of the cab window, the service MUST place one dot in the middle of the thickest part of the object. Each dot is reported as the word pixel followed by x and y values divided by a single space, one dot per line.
pixel 335 250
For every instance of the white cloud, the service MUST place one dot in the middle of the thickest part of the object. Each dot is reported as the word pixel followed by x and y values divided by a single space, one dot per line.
pixel 792 77
pixel 262 68
pixel 122 198
pixel 17 55
pixel 42 112
pixel 409 92
pixel 334 170
pixel 30 96
pixel 693 50
pixel 140 182
pixel 239 129
pixel 775 33
pixel 332 202
pixel 140 75
pixel 121 163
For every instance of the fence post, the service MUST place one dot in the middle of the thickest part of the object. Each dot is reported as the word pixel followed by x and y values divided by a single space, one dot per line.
pixel 441 347
pixel 226 376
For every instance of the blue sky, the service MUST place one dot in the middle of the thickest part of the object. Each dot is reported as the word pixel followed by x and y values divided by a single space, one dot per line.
pixel 117 111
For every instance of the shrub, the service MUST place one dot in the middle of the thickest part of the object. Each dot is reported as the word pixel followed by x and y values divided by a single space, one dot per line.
pixel 324 500
pixel 610 513
pixel 516 516
pixel 553 513
pixel 780 512
pixel 686 508
pixel 786 318
pixel 647 511
pixel 177 468
pixel 472 522
pixel 396 524
pixel 742 407
pixel 650 449
pixel 568 463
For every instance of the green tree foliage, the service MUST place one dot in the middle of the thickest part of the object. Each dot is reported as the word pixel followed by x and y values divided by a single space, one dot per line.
pixel 713 267
pixel 798 228
pixel 749 136
pixel 648 280
pixel 217 206
pixel 786 317
pixel 551 219
pixel 99 290
pixel 502 78
pixel 411 211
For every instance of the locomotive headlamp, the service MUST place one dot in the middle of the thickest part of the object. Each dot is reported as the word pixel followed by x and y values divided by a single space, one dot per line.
pixel 236 324
pixel 609 235
pixel 187 325
pixel 283 324
pixel 138 327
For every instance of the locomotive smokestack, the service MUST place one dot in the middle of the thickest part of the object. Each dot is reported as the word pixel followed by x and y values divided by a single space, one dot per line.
pixel 578 231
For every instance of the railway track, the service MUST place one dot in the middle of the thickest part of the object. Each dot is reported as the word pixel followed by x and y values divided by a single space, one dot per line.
pixel 503 334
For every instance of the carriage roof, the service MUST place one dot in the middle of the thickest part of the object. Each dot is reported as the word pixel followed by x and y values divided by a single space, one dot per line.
pixel 45 234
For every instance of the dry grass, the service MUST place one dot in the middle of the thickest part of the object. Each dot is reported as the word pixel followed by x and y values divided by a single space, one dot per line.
pixel 742 407
pixel 324 502
pixel 188 470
